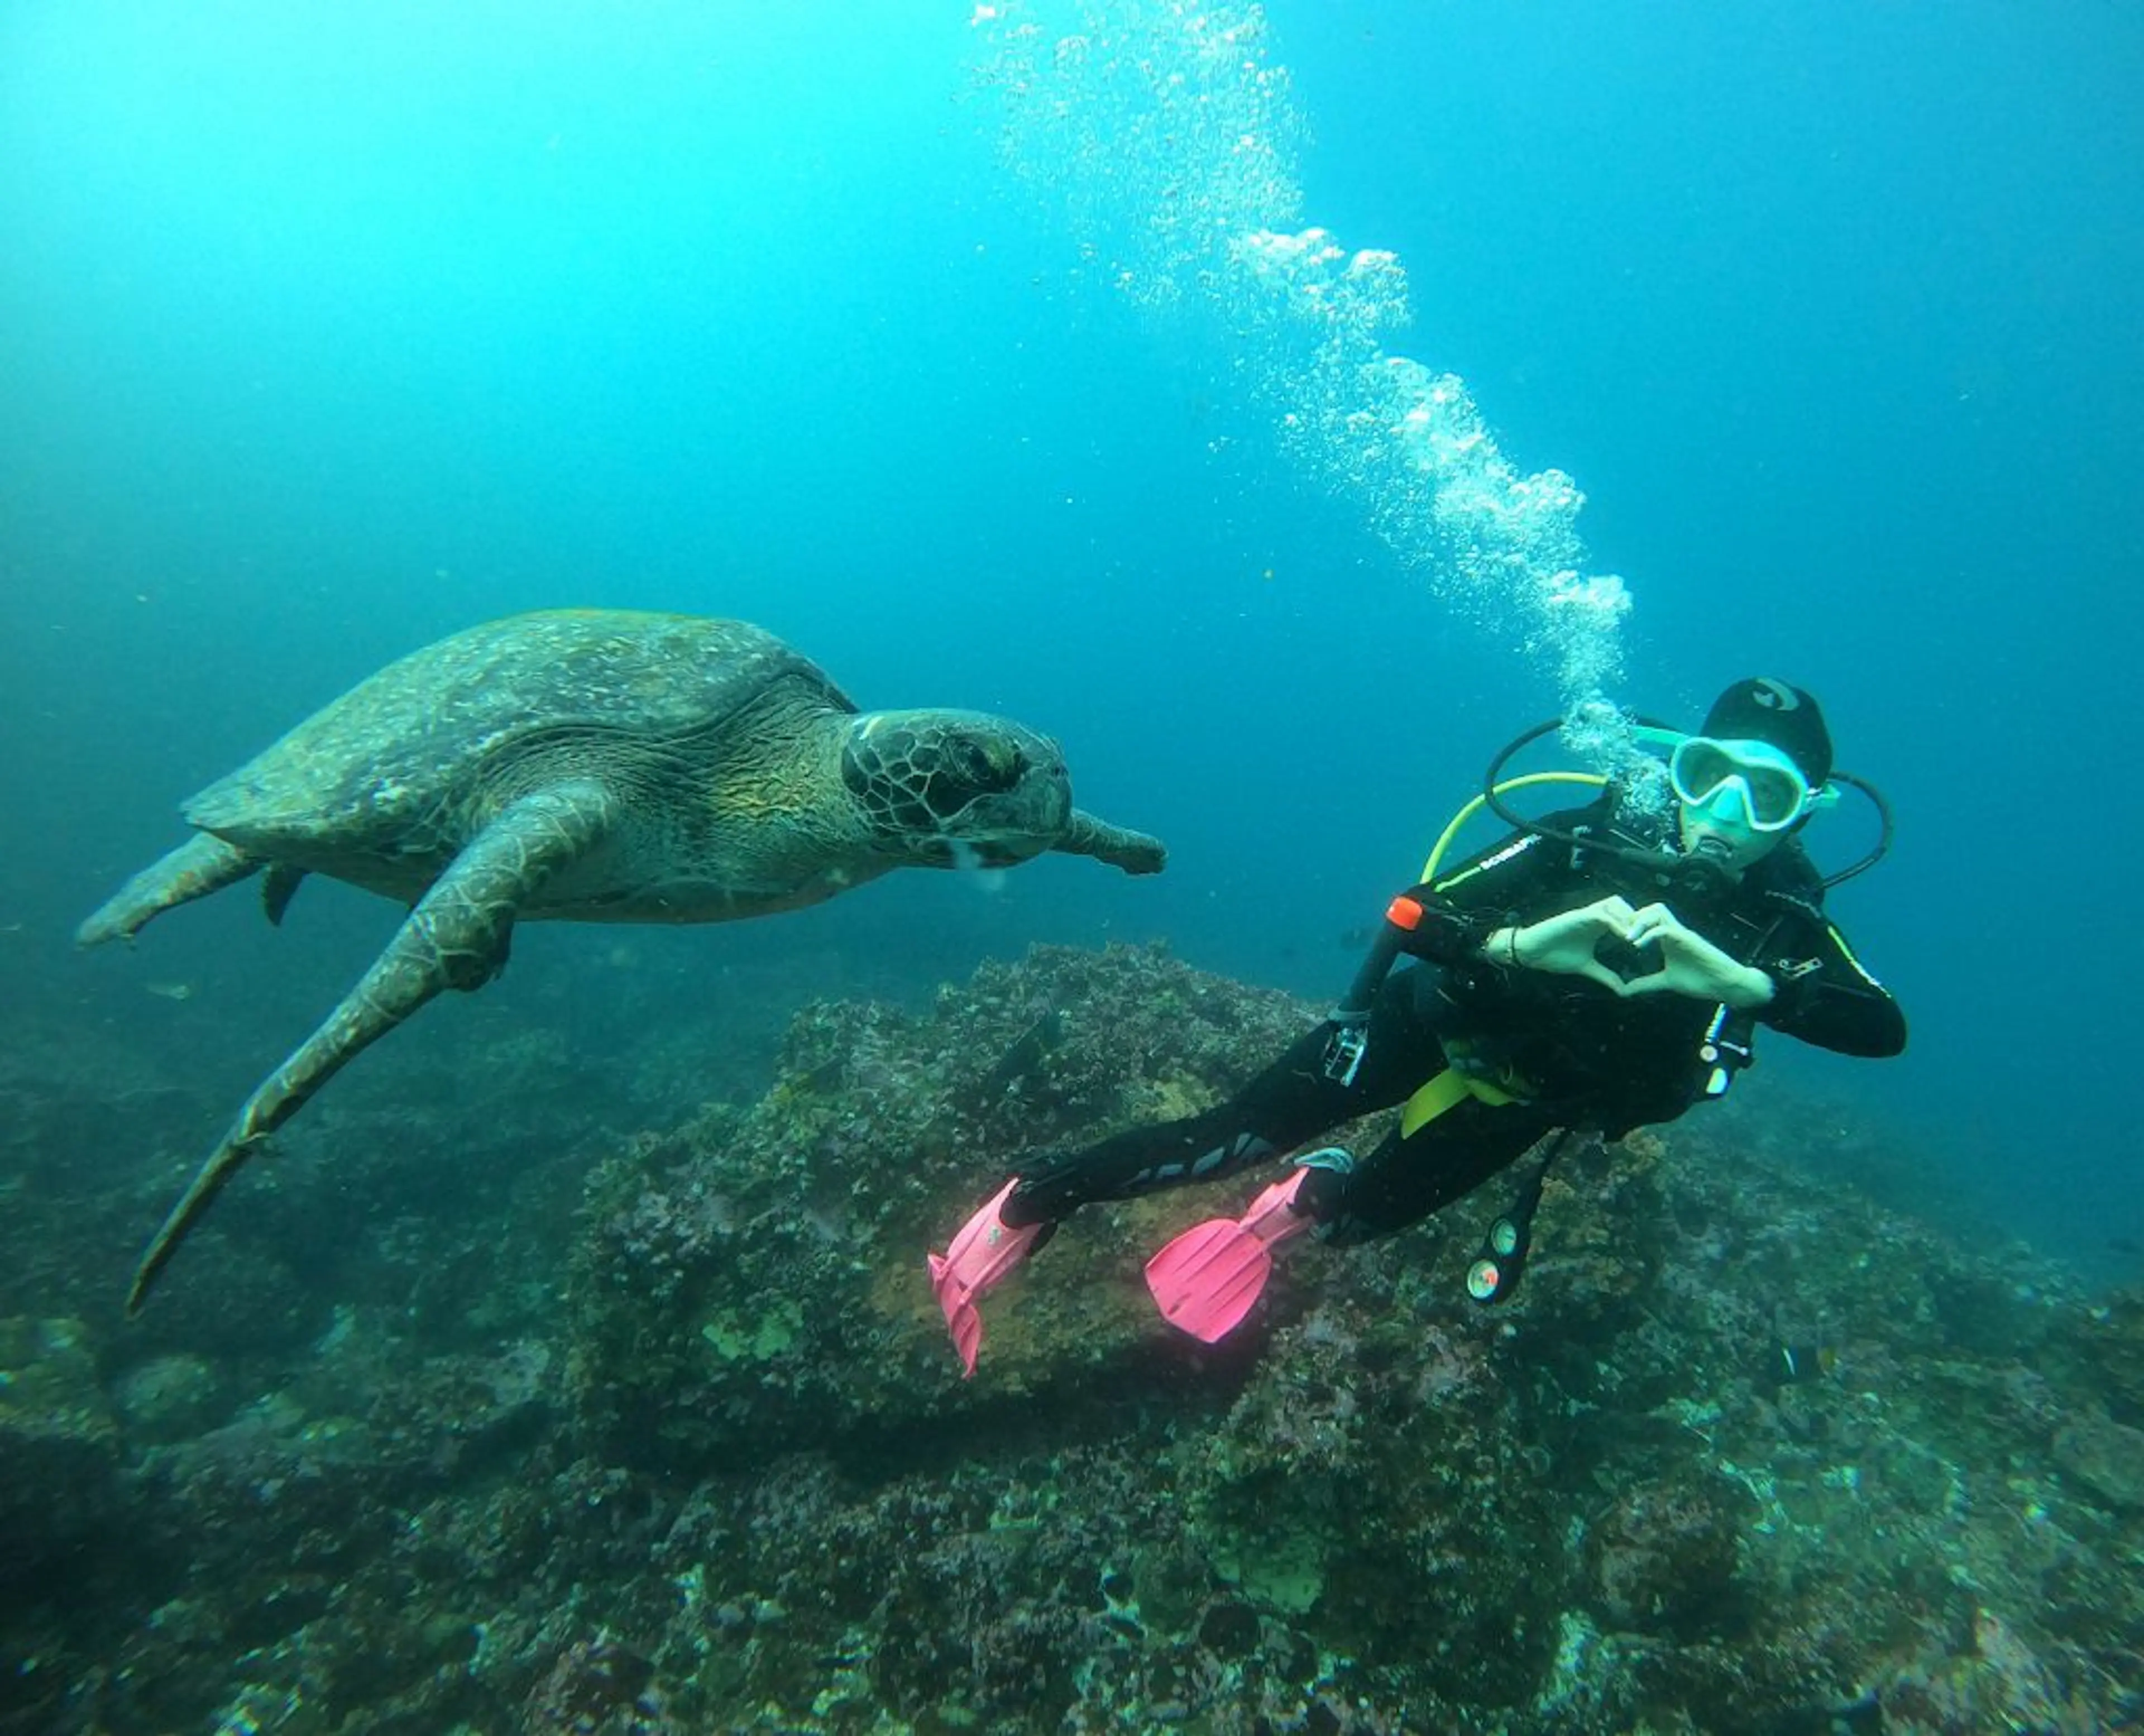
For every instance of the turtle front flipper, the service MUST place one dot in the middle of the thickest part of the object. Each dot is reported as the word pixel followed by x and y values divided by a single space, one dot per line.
pixel 1134 852
pixel 454 937
pixel 202 864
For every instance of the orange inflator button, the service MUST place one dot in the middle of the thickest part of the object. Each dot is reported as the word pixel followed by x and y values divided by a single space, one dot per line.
pixel 1403 912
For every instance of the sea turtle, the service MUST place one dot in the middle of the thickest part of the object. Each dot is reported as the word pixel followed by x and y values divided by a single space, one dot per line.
pixel 591 766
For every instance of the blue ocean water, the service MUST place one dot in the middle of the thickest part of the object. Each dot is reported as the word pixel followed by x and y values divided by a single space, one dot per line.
pixel 327 332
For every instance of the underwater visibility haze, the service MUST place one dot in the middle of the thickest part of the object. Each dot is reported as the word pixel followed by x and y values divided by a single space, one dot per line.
pixel 1281 408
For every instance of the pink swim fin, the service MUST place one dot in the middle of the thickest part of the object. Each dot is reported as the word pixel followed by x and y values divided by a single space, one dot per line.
pixel 1205 1281
pixel 980 1258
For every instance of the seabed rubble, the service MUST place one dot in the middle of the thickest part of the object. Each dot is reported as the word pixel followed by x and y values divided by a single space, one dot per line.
pixel 690 1452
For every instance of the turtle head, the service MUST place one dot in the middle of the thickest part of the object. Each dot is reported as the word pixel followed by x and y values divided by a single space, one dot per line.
pixel 957 789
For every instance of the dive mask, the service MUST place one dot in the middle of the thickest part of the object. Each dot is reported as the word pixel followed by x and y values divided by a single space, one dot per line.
pixel 1749 784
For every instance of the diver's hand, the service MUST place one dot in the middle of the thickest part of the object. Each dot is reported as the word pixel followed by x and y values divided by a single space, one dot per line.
pixel 1563 945
pixel 1689 964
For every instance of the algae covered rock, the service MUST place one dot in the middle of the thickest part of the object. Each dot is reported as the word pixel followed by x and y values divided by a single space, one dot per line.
pixel 756 1277
pixel 168 1397
pixel 737 1483
pixel 2107 1457
pixel 1664 1556
pixel 1615 1502
pixel 60 1482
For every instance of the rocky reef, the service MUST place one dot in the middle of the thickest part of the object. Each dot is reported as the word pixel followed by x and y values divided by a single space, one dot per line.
pixel 682 1447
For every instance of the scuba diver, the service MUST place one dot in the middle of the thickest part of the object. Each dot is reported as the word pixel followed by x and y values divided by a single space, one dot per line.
pixel 1600 969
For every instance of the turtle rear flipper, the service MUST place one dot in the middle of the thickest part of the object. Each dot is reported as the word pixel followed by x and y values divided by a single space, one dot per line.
pixel 204 864
pixel 455 937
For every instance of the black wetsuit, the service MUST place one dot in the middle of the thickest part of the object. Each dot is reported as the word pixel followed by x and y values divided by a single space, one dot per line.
pixel 1568 1051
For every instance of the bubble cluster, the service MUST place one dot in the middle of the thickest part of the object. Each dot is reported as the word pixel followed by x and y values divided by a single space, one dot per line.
pixel 1169 139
